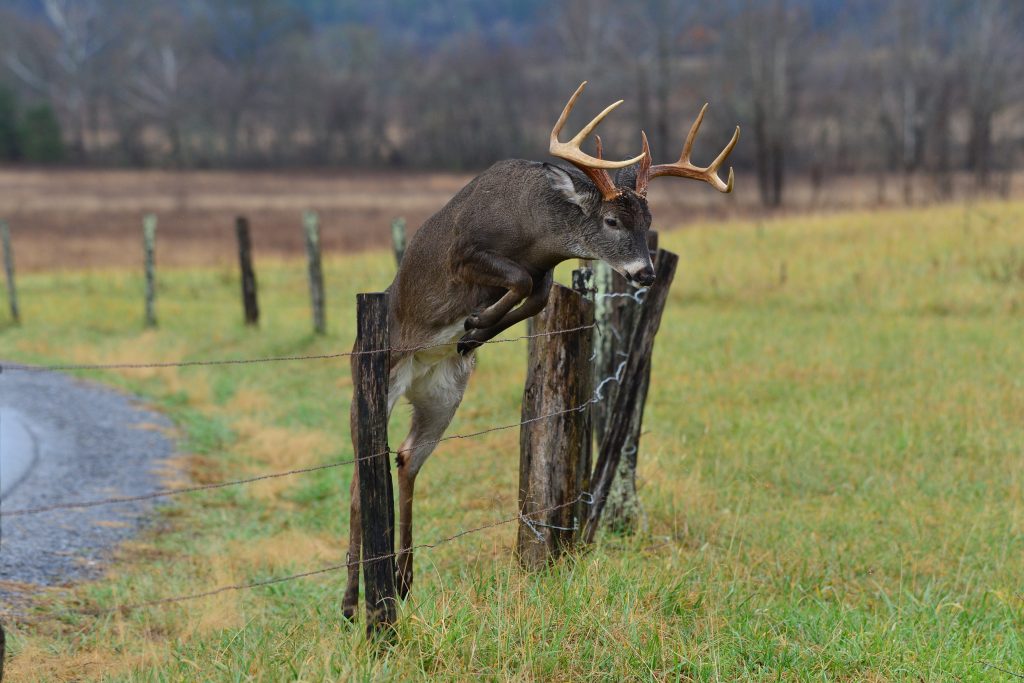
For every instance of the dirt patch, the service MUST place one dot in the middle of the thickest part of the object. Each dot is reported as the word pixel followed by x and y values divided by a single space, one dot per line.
pixel 66 218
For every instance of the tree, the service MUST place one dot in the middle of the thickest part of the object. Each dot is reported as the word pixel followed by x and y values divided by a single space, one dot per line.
pixel 9 138
pixel 66 60
pixel 764 51
pixel 910 77
pixel 41 140
pixel 988 54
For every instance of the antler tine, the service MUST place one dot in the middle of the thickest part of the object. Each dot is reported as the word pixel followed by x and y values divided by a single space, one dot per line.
pixel 597 140
pixel 560 124
pixel 726 151
pixel 712 168
pixel 570 151
pixel 642 173
pixel 684 168
pixel 684 157
pixel 589 128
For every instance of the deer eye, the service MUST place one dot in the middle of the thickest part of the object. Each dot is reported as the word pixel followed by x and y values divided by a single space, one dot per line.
pixel 611 221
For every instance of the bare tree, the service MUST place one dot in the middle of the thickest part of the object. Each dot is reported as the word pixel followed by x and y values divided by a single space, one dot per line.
pixel 65 61
pixel 922 86
pixel 988 54
pixel 156 90
pixel 909 77
pixel 764 50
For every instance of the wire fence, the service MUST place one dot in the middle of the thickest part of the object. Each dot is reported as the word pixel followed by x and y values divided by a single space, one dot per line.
pixel 528 519
pixel 75 505
pixel 19 367
pixel 160 602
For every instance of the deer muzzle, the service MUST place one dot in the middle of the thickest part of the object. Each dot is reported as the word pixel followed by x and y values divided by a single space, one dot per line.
pixel 643 276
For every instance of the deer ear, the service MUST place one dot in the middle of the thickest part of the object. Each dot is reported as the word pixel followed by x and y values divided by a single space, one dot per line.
pixel 562 183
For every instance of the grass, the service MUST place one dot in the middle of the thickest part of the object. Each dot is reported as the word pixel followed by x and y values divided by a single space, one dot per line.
pixel 831 476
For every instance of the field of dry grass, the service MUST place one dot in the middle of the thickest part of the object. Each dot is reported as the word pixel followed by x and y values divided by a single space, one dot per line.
pixel 830 474
pixel 92 218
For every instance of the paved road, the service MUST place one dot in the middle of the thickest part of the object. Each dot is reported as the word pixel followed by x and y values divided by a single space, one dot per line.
pixel 64 439
pixel 18 452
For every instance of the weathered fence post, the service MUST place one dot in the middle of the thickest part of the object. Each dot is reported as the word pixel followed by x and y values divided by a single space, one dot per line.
pixel 617 311
pixel 252 309
pixel 583 284
pixel 398 238
pixel 552 450
pixel 3 650
pixel 12 292
pixel 311 223
pixel 149 255
pixel 376 500
pixel 641 344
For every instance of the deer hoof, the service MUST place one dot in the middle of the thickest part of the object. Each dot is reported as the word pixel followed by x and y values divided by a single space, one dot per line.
pixel 403 583
pixel 467 344
pixel 472 322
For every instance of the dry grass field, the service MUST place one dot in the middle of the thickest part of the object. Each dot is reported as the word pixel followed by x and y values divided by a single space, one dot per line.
pixel 830 471
pixel 92 218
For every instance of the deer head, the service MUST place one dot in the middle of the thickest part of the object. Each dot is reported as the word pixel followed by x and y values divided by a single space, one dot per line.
pixel 617 209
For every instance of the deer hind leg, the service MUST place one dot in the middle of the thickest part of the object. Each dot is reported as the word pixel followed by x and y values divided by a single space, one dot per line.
pixel 434 397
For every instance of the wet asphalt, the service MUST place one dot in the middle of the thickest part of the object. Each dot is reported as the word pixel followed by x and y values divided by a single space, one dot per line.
pixel 66 439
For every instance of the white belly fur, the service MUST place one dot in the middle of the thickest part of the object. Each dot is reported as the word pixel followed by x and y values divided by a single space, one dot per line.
pixel 410 372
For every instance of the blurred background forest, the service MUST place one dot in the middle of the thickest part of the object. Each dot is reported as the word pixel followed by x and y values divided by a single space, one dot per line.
pixel 914 96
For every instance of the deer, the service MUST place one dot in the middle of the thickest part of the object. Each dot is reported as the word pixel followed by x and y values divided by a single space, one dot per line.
pixel 485 262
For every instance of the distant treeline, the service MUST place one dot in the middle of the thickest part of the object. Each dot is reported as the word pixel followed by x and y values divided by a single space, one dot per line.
pixel 891 88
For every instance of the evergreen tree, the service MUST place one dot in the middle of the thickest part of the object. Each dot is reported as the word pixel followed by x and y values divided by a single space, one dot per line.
pixel 9 147
pixel 41 140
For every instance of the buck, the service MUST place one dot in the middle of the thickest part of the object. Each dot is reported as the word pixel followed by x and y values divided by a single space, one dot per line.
pixel 484 262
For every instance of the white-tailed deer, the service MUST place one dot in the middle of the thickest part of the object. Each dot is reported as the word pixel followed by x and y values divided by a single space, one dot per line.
pixel 484 263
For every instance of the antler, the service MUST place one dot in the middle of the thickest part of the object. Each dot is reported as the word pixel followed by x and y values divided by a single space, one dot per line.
pixel 594 167
pixel 683 168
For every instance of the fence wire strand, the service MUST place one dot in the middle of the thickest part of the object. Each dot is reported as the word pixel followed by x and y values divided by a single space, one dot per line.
pixel 126 608
pixel 132 607
pixel 20 367
pixel 596 397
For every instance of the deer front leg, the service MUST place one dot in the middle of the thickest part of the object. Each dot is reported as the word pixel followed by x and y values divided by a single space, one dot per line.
pixel 492 270
pixel 355 541
pixel 533 305
pixel 350 601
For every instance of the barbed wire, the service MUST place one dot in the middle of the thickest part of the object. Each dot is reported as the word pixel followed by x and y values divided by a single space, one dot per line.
pixel 596 397
pixel 638 295
pixel 159 602
pixel 526 518
pixel 20 367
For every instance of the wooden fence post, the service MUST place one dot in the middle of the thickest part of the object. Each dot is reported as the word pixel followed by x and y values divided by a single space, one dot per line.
pixel 583 284
pixel 311 223
pixel 552 449
pixel 252 309
pixel 376 500
pixel 626 396
pixel 620 317
pixel 149 255
pixel 12 291
pixel 398 238
pixel 3 649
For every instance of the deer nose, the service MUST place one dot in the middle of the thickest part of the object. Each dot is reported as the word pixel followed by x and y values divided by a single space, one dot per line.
pixel 645 276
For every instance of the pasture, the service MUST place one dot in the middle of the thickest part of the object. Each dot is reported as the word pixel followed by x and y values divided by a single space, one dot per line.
pixel 831 474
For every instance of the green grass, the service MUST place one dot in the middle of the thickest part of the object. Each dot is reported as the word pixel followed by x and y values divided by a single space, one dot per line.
pixel 831 476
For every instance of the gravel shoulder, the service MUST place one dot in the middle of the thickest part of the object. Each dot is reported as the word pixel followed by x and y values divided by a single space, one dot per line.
pixel 88 442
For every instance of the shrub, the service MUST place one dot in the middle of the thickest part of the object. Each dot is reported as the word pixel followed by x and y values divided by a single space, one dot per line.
pixel 40 136
pixel 9 147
